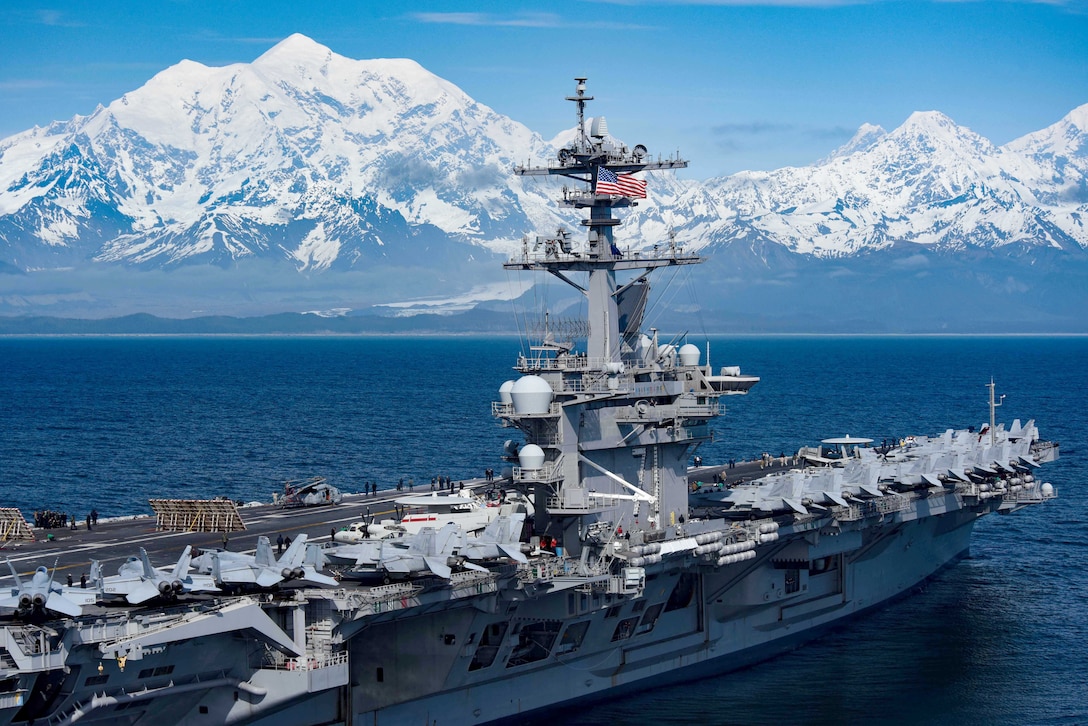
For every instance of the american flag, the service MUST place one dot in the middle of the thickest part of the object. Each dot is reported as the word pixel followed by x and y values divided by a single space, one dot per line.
pixel 624 185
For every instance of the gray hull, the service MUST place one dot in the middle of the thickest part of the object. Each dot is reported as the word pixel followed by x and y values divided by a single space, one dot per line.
pixel 737 616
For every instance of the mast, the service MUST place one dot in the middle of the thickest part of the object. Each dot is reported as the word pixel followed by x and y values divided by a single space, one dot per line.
pixel 583 160
pixel 609 430
pixel 994 405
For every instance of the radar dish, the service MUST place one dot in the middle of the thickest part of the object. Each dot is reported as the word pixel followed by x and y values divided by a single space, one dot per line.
pixel 847 440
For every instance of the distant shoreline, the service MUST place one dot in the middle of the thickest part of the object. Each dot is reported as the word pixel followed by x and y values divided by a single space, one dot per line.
pixel 478 323
pixel 513 334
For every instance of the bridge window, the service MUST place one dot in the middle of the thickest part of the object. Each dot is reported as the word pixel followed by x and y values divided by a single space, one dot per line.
pixel 573 637
pixel 490 640
pixel 625 629
pixel 535 641
pixel 649 619
pixel 681 595
pixel 159 671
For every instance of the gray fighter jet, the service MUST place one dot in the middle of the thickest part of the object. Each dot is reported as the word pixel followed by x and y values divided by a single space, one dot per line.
pixel 262 569
pixel 501 538
pixel 137 581
pixel 38 595
pixel 431 551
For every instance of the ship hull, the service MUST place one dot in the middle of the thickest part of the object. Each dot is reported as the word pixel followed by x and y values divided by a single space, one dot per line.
pixel 738 616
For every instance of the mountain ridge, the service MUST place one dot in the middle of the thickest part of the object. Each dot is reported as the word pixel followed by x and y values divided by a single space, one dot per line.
pixel 305 162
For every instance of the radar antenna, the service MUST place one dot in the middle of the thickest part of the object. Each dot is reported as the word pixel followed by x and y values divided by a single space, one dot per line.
pixel 994 405
pixel 580 98
pixel 558 330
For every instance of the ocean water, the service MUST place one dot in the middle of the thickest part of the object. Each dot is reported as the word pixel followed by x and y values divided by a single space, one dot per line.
pixel 1002 637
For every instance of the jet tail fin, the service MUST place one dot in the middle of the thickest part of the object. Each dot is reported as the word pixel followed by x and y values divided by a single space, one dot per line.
pixel 149 571
pixel 294 555
pixel 182 567
pixel 314 557
pixel 263 557
pixel 494 530
pixel 14 574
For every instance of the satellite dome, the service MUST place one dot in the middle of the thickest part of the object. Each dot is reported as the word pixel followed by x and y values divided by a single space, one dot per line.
pixel 531 457
pixel 531 394
pixel 689 355
pixel 504 392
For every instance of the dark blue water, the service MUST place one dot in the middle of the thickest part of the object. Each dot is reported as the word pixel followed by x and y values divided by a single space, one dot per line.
pixel 1000 638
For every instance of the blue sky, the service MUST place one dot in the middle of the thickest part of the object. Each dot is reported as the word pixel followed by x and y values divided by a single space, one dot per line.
pixel 732 85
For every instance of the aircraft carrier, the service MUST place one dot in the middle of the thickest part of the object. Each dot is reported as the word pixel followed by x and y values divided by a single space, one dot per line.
pixel 632 571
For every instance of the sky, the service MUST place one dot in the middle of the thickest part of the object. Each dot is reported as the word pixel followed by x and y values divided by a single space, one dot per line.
pixel 731 85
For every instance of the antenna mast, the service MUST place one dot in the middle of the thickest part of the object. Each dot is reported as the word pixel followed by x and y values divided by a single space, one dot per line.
pixel 580 98
pixel 993 410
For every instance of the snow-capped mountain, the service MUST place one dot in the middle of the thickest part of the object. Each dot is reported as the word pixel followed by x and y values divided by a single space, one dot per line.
pixel 929 182
pixel 305 161
pixel 302 154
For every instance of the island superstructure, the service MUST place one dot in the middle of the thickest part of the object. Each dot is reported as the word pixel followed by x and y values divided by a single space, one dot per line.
pixel 622 577
pixel 616 422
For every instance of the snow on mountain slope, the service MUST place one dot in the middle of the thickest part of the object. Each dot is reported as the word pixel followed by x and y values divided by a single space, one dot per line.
pixel 221 162
pixel 1056 167
pixel 928 182
pixel 318 162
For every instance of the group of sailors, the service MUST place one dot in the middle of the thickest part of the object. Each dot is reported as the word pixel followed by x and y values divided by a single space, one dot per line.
pixel 48 519
pixel 767 461
pixel 438 483
pixel 442 483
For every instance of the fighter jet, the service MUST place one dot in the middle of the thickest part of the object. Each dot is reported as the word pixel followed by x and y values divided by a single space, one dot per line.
pixel 428 551
pixel 37 595
pixel 137 581
pixel 501 538
pixel 262 569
